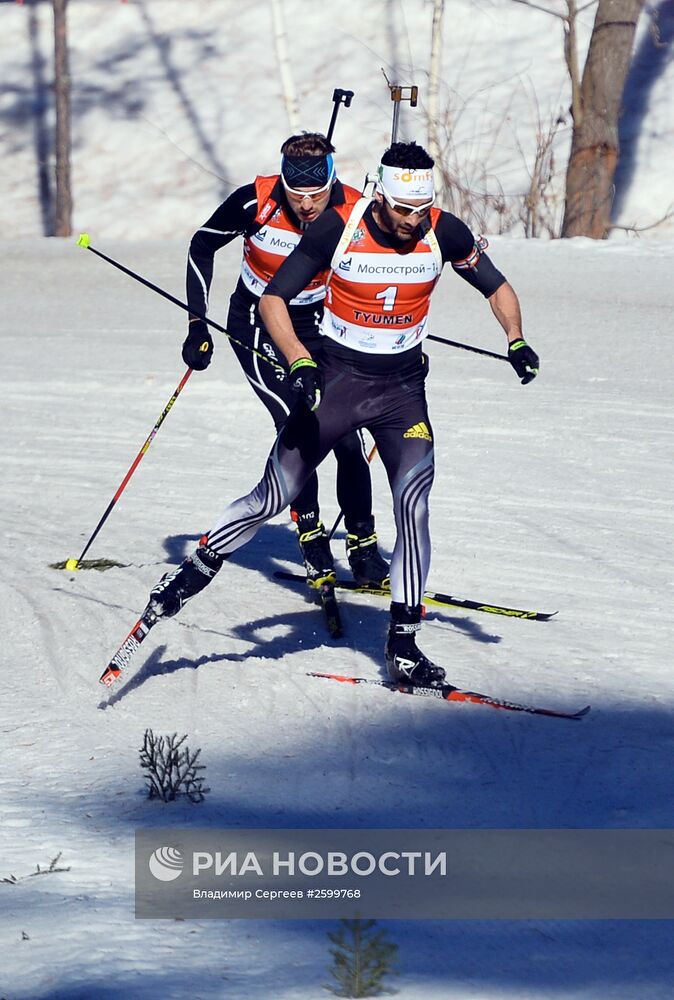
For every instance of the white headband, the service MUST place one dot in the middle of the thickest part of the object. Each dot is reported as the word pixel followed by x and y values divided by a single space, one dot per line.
pixel 407 184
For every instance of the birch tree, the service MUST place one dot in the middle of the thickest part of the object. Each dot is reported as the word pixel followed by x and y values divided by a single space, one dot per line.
pixel 285 66
pixel 435 70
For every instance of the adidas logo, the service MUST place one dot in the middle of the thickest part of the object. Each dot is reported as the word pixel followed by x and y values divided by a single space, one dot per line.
pixel 418 431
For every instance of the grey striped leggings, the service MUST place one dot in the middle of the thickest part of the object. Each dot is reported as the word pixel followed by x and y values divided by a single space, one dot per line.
pixel 392 407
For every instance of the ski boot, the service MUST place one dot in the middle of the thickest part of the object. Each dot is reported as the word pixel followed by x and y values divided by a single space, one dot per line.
pixel 367 565
pixel 194 573
pixel 405 662
pixel 315 549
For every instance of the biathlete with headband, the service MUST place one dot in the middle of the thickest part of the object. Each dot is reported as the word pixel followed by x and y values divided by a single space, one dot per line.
pixel 385 257
pixel 271 214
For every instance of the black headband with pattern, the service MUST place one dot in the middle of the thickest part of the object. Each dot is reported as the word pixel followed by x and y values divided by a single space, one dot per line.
pixel 307 171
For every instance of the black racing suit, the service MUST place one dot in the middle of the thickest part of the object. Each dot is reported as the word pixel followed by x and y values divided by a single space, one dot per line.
pixel 237 217
pixel 382 392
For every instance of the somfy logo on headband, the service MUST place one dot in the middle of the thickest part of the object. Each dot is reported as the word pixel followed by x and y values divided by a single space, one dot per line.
pixel 414 176
pixel 406 183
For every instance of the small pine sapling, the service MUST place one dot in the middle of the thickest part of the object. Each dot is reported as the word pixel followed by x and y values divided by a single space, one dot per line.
pixel 361 959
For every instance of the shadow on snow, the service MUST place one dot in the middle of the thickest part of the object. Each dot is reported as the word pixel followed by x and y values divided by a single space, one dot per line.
pixel 648 64
pixel 338 757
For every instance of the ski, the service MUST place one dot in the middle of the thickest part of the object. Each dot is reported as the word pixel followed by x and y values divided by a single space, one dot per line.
pixel 327 599
pixel 450 693
pixel 431 598
pixel 122 657
pixel 331 610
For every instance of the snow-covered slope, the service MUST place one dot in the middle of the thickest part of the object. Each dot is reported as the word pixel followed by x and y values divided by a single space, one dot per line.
pixel 555 496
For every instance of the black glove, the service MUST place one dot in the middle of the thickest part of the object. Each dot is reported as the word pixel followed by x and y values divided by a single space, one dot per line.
pixel 524 360
pixel 307 382
pixel 198 348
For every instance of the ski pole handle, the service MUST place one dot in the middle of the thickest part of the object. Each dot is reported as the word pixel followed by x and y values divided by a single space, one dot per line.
pixel 339 97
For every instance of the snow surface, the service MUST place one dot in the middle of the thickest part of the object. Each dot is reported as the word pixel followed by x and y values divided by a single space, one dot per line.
pixel 555 496
pixel 175 102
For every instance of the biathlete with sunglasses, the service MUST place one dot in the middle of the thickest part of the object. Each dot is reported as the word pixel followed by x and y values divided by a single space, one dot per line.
pixel 271 215
pixel 385 257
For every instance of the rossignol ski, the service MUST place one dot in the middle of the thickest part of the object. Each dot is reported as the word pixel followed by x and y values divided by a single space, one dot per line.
pixel 122 657
pixel 448 692
pixel 431 598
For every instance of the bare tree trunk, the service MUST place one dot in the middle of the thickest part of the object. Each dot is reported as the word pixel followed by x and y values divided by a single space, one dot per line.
pixel 594 147
pixel 63 219
pixel 434 90
pixel 434 78
pixel 571 59
pixel 285 66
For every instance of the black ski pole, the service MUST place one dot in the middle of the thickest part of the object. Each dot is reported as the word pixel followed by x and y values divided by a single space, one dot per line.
pixel 84 241
pixel 339 97
pixel 468 347
pixel 338 519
